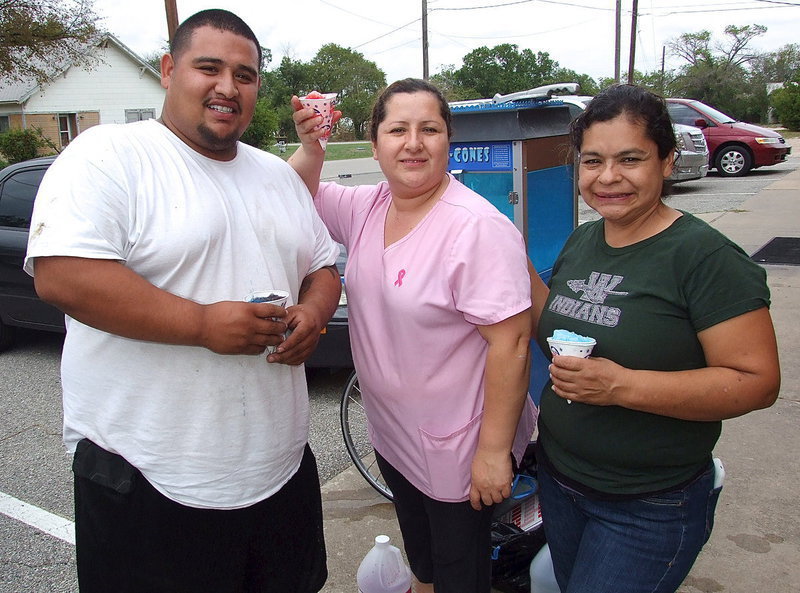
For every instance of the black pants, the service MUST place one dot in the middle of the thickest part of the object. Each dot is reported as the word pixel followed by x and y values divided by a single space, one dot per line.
pixel 132 539
pixel 447 543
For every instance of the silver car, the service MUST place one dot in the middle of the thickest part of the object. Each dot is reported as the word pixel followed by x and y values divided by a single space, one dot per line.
pixel 692 161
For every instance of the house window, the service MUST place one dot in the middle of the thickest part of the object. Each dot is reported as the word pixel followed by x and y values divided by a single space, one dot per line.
pixel 67 128
pixel 4 123
pixel 16 198
pixel 132 115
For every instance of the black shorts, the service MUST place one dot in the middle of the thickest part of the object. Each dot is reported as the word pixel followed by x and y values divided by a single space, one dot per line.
pixel 132 539
pixel 447 543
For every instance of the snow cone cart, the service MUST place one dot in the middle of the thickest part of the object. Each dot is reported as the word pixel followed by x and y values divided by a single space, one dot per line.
pixel 514 151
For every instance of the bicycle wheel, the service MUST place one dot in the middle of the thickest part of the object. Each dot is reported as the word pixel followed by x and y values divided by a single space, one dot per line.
pixel 354 430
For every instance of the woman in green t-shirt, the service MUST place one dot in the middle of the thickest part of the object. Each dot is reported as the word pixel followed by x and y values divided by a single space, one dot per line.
pixel 684 340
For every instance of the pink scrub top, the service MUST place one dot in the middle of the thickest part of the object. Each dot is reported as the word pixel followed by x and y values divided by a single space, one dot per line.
pixel 413 310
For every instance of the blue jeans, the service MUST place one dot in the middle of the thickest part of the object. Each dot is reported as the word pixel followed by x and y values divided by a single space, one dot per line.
pixel 646 545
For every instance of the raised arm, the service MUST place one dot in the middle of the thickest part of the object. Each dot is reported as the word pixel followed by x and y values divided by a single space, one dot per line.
pixel 110 297
pixel 308 158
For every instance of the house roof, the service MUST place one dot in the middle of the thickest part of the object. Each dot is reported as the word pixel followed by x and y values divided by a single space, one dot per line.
pixel 19 91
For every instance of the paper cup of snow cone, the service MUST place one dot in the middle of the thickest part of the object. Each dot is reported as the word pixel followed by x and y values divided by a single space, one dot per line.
pixel 273 297
pixel 566 343
pixel 324 105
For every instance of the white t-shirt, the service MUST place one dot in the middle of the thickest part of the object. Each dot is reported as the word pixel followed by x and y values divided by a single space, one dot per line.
pixel 413 309
pixel 207 430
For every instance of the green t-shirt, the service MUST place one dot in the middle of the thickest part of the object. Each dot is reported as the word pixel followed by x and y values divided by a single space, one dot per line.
pixel 644 304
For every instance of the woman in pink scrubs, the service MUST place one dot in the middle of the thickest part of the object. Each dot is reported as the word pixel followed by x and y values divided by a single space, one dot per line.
pixel 439 307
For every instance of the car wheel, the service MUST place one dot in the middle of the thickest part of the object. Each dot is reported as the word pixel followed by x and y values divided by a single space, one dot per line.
pixel 6 336
pixel 734 161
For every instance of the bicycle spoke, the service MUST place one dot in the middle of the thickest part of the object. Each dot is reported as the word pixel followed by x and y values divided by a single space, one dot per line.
pixel 356 438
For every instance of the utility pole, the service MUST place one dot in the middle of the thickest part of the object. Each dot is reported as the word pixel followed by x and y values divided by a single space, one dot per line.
pixel 424 39
pixel 617 41
pixel 632 59
pixel 172 18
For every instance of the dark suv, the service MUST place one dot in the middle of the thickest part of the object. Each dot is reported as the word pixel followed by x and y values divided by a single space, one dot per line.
pixel 734 147
pixel 21 307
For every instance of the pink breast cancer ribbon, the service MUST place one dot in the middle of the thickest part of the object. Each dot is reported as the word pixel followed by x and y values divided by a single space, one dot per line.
pixel 400 275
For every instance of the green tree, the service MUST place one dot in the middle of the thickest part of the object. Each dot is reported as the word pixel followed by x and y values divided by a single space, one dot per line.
pixel 445 81
pixel 655 81
pixel 355 79
pixel 278 86
pixel 721 74
pixel 264 126
pixel 504 69
pixel 782 65
pixel 786 102
pixel 692 47
pixel 588 85
pixel 38 36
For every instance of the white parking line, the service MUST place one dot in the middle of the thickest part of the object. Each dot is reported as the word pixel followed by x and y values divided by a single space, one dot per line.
pixel 51 524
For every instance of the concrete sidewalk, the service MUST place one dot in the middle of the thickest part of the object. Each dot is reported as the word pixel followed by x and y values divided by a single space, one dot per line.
pixel 755 546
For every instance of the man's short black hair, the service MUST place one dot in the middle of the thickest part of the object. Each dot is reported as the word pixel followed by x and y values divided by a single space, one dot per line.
pixel 217 18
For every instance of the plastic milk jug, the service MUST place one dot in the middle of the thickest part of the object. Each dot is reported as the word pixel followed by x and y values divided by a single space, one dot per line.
pixel 383 570
pixel 542 578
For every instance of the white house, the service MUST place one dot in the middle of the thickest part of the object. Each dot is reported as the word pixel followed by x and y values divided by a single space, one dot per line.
pixel 121 88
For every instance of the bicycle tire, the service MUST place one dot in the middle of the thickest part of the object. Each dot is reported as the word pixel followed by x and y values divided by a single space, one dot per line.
pixel 353 420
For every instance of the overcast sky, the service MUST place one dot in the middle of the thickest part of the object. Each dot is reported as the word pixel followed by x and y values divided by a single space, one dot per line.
pixel 579 34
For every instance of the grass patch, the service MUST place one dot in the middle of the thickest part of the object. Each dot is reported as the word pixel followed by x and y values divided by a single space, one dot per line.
pixel 336 151
pixel 790 134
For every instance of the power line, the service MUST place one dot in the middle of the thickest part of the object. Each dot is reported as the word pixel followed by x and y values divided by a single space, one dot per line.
pixel 386 34
pixel 524 2
pixel 513 36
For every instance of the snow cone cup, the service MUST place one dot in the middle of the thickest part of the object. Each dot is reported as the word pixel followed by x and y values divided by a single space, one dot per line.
pixel 567 348
pixel 324 105
pixel 566 343
pixel 273 297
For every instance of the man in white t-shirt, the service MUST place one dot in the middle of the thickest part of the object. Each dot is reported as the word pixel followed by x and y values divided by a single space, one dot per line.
pixel 192 468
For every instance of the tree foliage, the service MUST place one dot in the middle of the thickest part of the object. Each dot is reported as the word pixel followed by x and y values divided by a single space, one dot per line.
pixel 721 73
pixel 263 128
pixel 357 81
pixel 19 145
pixel 782 65
pixel 39 36
pixel 656 81
pixel 588 85
pixel 504 69
pixel 445 81
pixel 786 102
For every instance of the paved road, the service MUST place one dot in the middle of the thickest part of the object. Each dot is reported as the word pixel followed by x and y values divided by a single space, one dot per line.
pixel 35 470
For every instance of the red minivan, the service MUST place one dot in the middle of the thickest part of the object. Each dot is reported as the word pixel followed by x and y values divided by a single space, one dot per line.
pixel 734 147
